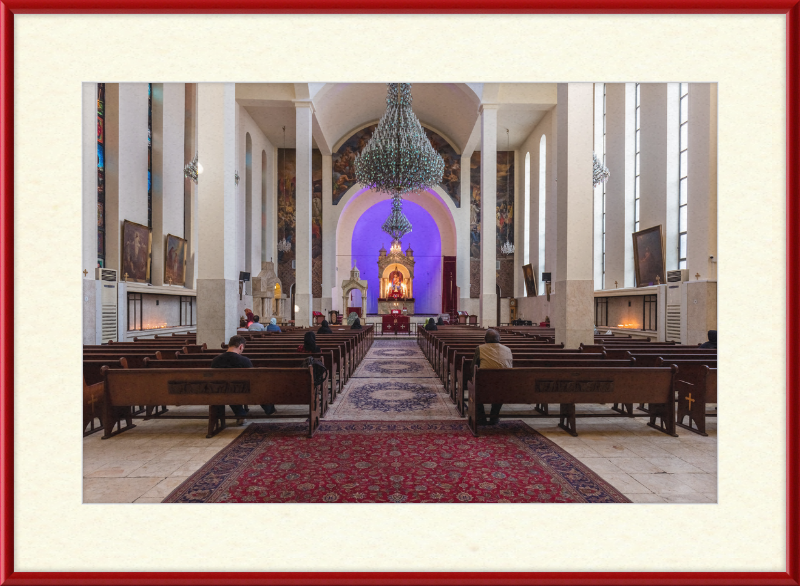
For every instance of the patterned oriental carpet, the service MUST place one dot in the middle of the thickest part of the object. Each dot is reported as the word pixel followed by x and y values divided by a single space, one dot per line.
pixel 393 462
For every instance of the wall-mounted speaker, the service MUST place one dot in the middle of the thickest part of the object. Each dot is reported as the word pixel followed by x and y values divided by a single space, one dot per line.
pixel 546 277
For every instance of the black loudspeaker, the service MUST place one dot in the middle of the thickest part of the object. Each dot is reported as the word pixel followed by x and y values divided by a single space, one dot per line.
pixel 546 277
pixel 244 276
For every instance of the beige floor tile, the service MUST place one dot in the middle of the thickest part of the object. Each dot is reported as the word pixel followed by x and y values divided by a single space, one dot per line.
pixel 708 465
pixel 580 451
pixel 625 484
pixel 91 464
pixel 157 470
pixel 706 483
pixel 601 466
pixel 646 449
pixel 116 469
pixel 188 468
pixel 690 497
pixel 116 490
pixel 612 450
pixel 166 486
pixel 674 465
pixel 636 466
pixel 712 496
pixel 148 500
pixel 644 497
pixel 662 483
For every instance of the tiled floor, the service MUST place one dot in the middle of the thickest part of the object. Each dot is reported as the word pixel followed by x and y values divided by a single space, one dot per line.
pixel 144 464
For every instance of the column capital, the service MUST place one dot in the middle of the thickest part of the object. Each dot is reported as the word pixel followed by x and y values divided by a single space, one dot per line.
pixel 304 104
pixel 488 107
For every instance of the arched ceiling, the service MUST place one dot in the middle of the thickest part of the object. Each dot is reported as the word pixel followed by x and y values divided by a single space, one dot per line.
pixel 452 109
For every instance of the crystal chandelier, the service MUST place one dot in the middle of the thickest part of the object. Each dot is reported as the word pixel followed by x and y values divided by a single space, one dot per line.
pixel 399 157
pixel 600 173
pixel 193 169
pixel 284 246
pixel 507 248
pixel 397 225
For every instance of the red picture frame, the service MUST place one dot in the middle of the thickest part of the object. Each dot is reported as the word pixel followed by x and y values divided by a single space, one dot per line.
pixel 791 8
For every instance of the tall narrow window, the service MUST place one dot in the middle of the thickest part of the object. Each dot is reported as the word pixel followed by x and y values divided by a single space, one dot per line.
pixel 637 166
pixel 542 202
pixel 603 284
pixel 683 174
pixel 150 155
pixel 101 175
pixel 526 212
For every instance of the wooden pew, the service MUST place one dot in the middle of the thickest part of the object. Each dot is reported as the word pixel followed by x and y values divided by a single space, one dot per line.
pixel 215 387
pixel 569 386
pixel 696 386
pixel 298 362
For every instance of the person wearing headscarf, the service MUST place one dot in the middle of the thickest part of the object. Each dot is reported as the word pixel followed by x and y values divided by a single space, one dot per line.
pixel 324 328
pixel 309 343
pixel 248 316
pixel 273 325
pixel 440 321
pixel 712 340
pixel 356 324
pixel 431 325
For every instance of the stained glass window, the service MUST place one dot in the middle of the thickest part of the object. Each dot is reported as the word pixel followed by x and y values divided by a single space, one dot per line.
pixel 101 178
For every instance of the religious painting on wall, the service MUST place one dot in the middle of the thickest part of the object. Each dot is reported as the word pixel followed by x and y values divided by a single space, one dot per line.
pixel 343 161
pixel 136 247
pixel 101 179
pixel 505 200
pixel 316 223
pixel 648 254
pixel 287 200
pixel 451 179
pixel 175 261
pixel 475 205
pixel 530 280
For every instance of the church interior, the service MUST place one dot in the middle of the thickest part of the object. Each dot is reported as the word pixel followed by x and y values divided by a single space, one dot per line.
pixel 446 292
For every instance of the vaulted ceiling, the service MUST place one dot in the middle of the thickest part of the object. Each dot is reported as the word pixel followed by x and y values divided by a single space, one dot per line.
pixel 451 109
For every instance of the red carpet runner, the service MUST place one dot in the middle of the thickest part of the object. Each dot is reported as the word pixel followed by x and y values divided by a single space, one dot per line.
pixel 394 462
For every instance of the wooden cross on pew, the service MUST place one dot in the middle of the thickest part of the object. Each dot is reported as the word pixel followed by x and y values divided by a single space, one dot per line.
pixel 690 401
pixel 85 272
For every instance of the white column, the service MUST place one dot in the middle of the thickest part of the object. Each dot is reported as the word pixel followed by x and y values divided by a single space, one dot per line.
pixel 328 235
pixel 620 160
pixel 701 231
pixel 217 282
pixel 488 299
pixel 89 179
pixel 658 199
pixel 597 240
pixel 158 233
pixel 304 113
pixel 519 223
pixel 191 218
pixel 573 313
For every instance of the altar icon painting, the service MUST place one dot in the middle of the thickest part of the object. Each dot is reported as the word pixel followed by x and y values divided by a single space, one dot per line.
pixel 395 287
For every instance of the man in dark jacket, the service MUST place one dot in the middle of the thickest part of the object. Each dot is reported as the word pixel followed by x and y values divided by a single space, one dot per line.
pixel 712 340
pixel 233 359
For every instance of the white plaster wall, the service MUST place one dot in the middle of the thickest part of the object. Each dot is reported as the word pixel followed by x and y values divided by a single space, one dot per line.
pixel 535 309
pixel 132 161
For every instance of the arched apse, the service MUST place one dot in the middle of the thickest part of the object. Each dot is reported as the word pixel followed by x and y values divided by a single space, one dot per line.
pixel 358 200
pixel 424 240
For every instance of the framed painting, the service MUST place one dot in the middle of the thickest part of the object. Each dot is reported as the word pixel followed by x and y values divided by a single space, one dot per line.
pixel 175 260
pixel 136 248
pixel 530 280
pixel 648 255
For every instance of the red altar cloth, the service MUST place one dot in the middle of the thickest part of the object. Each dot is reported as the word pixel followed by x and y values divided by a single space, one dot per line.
pixel 395 323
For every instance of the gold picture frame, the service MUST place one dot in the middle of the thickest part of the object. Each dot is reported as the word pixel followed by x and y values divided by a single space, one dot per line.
pixel 530 280
pixel 648 256
pixel 175 260
pixel 135 256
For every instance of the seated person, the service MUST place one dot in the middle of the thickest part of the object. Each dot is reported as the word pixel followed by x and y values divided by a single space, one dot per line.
pixel 324 328
pixel 309 343
pixel 273 325
pixel 712 340
pixel 492 354
pixel 440 321
pixel 356 324
pixel 256 326
pixel 431 325
pixel 233 359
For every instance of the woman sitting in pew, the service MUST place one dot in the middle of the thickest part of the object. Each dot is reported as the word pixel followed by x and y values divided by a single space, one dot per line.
pixel 273 326
pixel 309 343
pixel 233 358
pixel 431 325
pixel 356 324
pixel 324 328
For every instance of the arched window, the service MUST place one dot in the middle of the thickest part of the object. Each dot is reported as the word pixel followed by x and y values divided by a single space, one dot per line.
pixel 683 173
pixel 526 212
pixel 542 205
pixel 248 202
